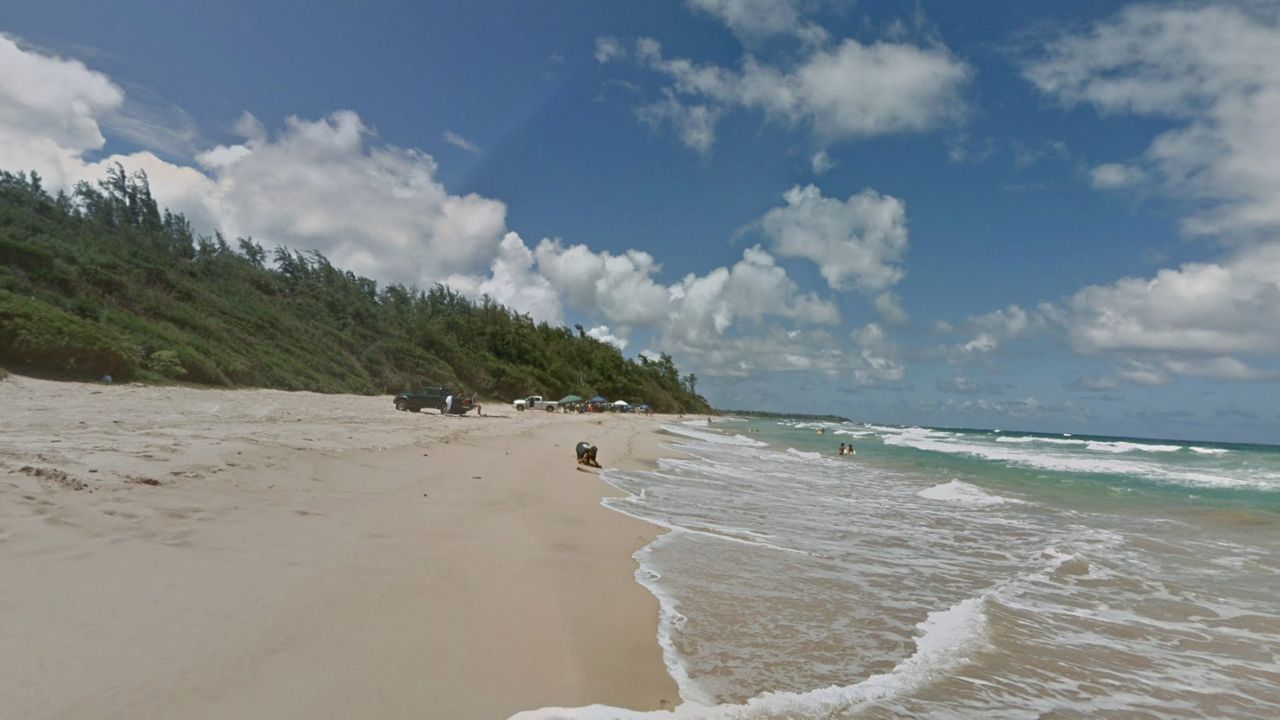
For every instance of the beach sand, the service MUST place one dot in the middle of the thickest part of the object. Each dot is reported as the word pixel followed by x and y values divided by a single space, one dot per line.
pixel 175 552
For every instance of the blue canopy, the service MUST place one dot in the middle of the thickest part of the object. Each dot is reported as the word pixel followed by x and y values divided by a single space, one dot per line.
pixel 597 399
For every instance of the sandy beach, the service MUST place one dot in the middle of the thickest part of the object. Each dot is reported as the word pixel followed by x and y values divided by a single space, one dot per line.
pixel 175 552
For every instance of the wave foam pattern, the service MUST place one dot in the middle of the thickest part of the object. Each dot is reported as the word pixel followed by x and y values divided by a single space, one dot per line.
pixel 814 590
pixel 1200 468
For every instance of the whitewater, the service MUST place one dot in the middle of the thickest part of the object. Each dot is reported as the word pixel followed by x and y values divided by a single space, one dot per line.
pixel 954 573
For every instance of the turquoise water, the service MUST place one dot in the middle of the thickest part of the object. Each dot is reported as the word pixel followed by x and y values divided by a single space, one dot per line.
pixel 1085 471
pixel 959 573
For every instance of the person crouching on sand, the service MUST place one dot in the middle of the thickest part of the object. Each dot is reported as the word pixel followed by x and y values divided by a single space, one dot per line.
pixel 587 454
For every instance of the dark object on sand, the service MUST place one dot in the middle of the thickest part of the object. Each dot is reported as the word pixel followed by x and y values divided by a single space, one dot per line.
pixel 587 454
pixel 432 397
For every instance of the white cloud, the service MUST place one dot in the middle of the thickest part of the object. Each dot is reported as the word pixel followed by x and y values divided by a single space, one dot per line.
pixel 849 91
pixel 619 288
pixel 1141 373
pixel 755 20
pixel 608 48
pixel 1113 176
pixel 750 290
pixel 373 208
pixel 458 141
pixel 697 315
pixel 178 187
pixel 325 184
pixel 865 90
pixel 878 355
pixel 604 335
pixel 1230 306
pixel 821 162
pixel 872 361
pixel 513 282
pixel 992 330
pixel 1221 367
pixel 856 243
pixel 694 123
pixel 1209 68
pixel 698 308
pixel 50 110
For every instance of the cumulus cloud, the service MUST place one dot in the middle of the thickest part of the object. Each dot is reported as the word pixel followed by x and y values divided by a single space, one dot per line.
pixel 50 109
pixel 992 330
pixel 751 289
pixel 879 357
pixel 850 91
pixel 621 289
pixel 604 335
pixel 754 20
pixel 374 208
pixel 1195 320
pixel 856 243
pixel 1231 306
pixel 514 282
pixel 1207 68
pixel 325 184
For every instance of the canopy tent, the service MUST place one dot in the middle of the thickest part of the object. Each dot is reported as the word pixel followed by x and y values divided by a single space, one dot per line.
pixel 569 399
pixel 597 400
pixel 621 403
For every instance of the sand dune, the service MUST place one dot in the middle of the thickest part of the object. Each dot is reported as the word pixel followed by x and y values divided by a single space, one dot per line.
pixel 172 552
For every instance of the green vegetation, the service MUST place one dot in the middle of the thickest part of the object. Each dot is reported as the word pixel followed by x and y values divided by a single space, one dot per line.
pixel 103 282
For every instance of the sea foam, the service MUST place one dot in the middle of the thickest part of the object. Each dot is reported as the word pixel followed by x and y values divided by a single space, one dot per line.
pixel 946 641
pixel 962 492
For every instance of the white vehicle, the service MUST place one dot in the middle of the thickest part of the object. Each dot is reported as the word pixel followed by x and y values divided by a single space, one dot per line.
pixel 535 402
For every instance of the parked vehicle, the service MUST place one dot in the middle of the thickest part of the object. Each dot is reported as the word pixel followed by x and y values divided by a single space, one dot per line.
pixel 432 397
pixel 535 402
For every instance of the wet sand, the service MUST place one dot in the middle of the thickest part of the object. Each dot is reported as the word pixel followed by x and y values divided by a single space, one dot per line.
pixel 173 552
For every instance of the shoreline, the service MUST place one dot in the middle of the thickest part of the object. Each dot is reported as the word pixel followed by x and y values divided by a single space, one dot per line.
pixel 256 553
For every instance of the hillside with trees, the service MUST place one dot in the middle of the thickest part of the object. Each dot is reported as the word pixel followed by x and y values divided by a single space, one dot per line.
pixel 102 281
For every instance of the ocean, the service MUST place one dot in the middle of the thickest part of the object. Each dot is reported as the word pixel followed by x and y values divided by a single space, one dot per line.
pixel 944 573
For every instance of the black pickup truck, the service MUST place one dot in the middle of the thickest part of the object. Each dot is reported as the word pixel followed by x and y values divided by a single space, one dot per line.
pixel 431 397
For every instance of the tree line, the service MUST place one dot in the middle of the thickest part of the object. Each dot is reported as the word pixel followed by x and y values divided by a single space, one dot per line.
pixel 102 281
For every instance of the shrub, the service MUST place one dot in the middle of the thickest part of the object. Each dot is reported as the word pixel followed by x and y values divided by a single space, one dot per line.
pixel 37 335
pixel 166 363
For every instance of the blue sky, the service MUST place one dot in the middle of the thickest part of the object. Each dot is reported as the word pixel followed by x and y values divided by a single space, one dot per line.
pixel 1058 216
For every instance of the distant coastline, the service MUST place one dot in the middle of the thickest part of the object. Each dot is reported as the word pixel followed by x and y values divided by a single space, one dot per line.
pixel 797 416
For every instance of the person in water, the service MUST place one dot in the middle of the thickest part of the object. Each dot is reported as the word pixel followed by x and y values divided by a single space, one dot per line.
pixel 841 448
pixel 587 454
